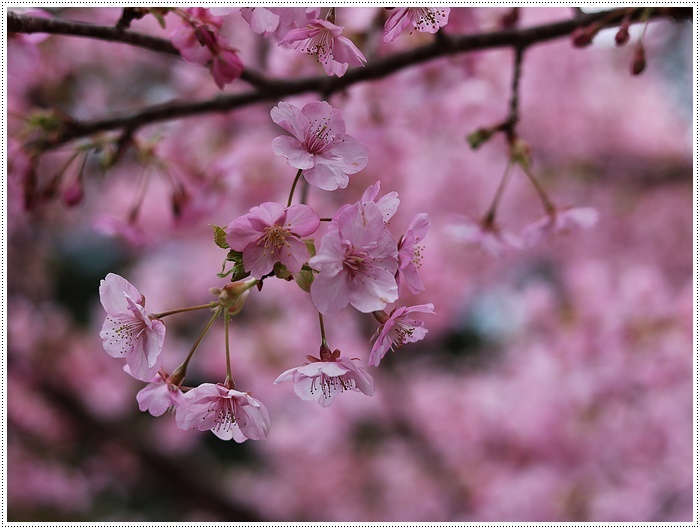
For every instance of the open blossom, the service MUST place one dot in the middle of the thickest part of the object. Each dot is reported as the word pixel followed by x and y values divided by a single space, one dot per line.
pixel 423 19
pixel 318 145
pixel 559 221
pixel 278 20
pixel 398 329
pixel 356 262
pixel 128 332
pixel 486 235
pixel 272 233
pixel 322 379
pixel 228 413
pixel 323 39
pixel 159 395
pixel 410 252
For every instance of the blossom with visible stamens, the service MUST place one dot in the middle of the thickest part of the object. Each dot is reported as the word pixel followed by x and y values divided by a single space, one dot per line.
pixel 396 330
pixel 410 252
pixel 423 19
pixel 128 332
pixel 356 262
pixel 228 413
pixel 319 145
pixel 271 233
pixel 324 378
pixel 323 39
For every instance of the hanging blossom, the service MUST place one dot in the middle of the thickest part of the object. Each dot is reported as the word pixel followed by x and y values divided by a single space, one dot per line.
pixel 128 332
pixel 423 19
pixel 159 395
pixel 323 39
pixel 388 204
pixel 396 330
pixel 484 234
pixel 277 20
pixel 410 252
pixel 559 221
pixel 271 233
pixel 318 145
pixel 198 40
pixel 356 262
pixel 325 377
pixel 228 413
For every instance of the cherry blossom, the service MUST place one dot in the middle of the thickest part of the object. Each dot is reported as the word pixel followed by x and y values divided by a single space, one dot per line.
pixel 271 233
pixel 228 413
pixel 278 20
pixel 159 395
pixel 486 235
pixel 323 39
pixel 398 329
pixel 318 145
pixel 322 379
pixel 410 252
pixel 356 262
pixel 423 19
pixel 559 221
pixel 128 332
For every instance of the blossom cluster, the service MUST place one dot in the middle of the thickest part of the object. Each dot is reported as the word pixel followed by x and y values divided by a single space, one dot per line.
pixel 357 262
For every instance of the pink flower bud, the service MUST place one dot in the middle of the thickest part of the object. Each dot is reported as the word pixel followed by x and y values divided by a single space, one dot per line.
pixel 73 194
pixel 583 37
pixel 639 62
pixel 622 35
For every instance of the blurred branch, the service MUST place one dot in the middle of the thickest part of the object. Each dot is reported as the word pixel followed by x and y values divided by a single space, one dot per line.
pixel 273 89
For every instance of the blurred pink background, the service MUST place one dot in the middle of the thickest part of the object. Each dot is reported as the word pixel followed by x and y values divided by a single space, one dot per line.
pixel 555 384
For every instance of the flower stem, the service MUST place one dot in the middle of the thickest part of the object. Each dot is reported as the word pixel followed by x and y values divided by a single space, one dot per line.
pixel 228 353
pixel 186 309
pixel 323 330
pixel 183 367
pixel 294 186
pixel 491 213
pixel 548 206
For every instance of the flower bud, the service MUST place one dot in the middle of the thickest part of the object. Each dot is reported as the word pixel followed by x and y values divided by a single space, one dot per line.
pixel 622 35
pixel 478 137
pixel 639 61
pixel 233 295
pixel 73 194
pixel 583 37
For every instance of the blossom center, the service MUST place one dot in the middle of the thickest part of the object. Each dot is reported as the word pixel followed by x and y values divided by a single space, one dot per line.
pixel 321 45
pixel 427 17
pixel 400 334
pixel 275 237
pixel 318 137
pixel 126 332
pixel 355 261
pixel 329 385
pixel 224 409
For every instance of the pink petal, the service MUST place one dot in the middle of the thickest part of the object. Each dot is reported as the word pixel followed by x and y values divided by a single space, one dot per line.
pixel 398 19
pixel 112 290
pixel 258 260
pixel 320 113
pixel 293 150
pixel 345 51
pixel 290 118
pixel 368 296
pixel 294 255
pixel 329 294
pixel 302 220
pixel 327 174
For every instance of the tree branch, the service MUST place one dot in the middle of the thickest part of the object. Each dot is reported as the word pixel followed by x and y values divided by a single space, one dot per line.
pixel 275 89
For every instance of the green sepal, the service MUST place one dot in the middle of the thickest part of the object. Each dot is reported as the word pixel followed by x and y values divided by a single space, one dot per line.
pixel 310 246
pixel 304 278
pixel 220 238
pixel 477 138
pixel 281 272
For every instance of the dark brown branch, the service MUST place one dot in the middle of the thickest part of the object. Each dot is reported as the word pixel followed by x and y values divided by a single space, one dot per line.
pixel 271 89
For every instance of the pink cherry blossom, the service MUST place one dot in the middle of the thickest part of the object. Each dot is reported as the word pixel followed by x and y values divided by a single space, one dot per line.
pixel 318 145
pixel 397 330
pixel 423 19
pixel 486 235
pixel 559 221
pixel 271 233
pixel 356 262
pixel 159 395
pixel 228 413
pixel 128 230
pixel 388 204
pixel 128 332
pixel 410 252
pixel 226 65
pixel 322 379
pixel 278 20
pixel 323 39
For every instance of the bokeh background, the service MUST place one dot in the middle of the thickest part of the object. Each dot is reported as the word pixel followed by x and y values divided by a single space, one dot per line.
pixel 555 384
